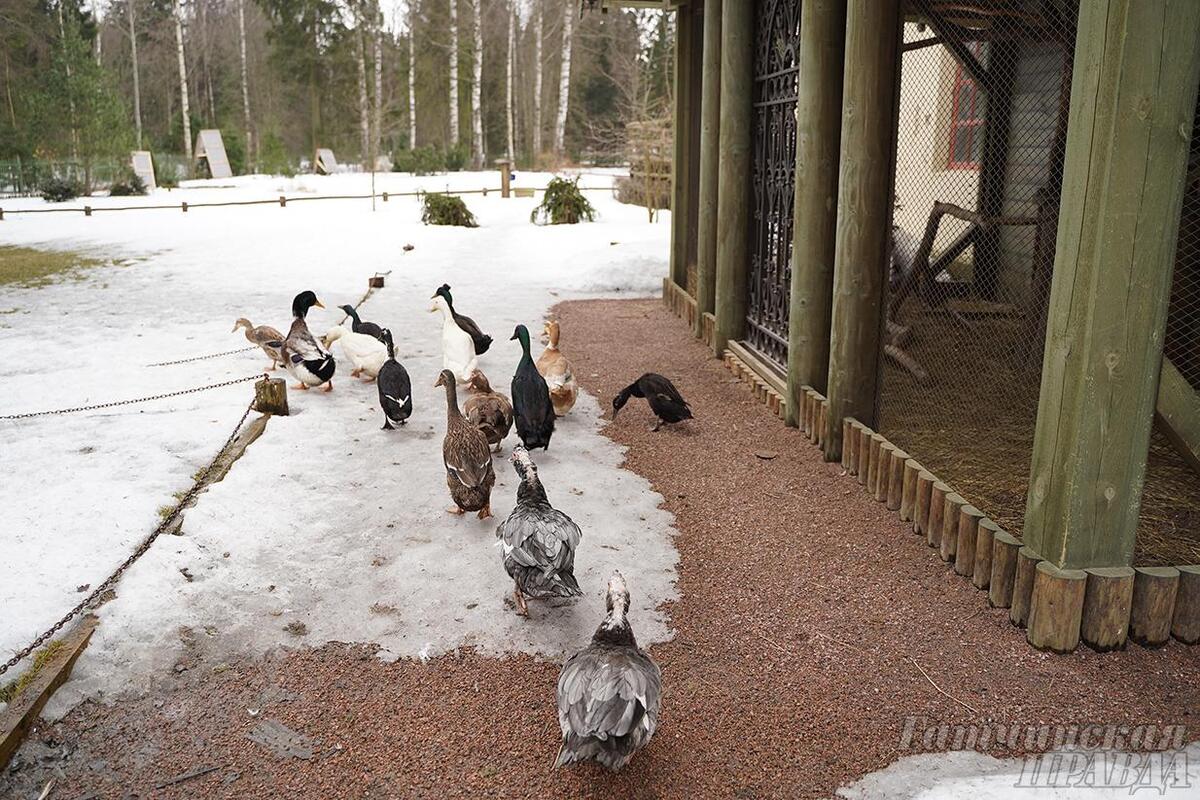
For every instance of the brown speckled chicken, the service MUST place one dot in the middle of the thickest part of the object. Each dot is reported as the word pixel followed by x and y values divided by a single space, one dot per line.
pixel 466 456
pixel 487 409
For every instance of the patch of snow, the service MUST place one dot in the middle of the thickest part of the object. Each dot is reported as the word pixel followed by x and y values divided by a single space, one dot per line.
pixel 327 520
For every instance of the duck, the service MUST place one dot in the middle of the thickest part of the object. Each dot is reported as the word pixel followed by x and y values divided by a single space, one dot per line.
pixel 538 541
pixel 395 388
pixel 488 410
pixel 366 353
pixel 555 368
pixel 481 340
pixel 533 410
pixel 665 400
pixel 358 326
pixel 466 456
pixel 609 692
pixel 303 357
pixel 458 349
pixel 266 337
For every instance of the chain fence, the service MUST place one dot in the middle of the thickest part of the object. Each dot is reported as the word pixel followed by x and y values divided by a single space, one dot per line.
pixel 115 403
pixel 984 101
pixel 167 522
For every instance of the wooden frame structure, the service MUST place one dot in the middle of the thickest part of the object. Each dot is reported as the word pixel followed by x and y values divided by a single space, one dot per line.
pixel 1124 149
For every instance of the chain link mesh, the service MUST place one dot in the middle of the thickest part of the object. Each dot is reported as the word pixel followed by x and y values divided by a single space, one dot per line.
pixel 984 100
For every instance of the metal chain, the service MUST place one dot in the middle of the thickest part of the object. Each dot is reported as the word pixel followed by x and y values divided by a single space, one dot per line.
pixel 167 521
pixel 201 358
pixel 115 403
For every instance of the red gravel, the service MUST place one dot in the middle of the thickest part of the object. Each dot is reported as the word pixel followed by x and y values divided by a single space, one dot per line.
pixel 804 605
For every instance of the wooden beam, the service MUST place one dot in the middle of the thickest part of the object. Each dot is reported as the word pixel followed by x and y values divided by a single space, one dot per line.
pixel 23 710
pixel 867 156
pixel 710 150
pixel 818 139
pixel 682 144
pixel 1133 98
pixel 954 39
pixel 733 191
pixel 993 172
pixel 1178 410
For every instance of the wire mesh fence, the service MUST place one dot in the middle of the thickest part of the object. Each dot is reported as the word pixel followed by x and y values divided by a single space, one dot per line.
pixel 983 108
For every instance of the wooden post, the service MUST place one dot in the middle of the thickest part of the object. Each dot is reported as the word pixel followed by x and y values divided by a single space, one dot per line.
pixel 87 211
pixel 505 177
pixel 733 190
pixel 282 201
pixel 948 546
pixel 1133 98
pixel 385 197
pixel 270 396
pixel 937 507
pixel 873 463
pixel 985 541
pixel 864 209
pixel 925 482
pixel 849 449
pixel 969 519
pixel 683 146
pixel 864 454
pixel 1154 590
pixel 818 137
pixel 895 479
pixel 1004 569
pixel 1022 592
pixel 1106 605
pixel 1185 622
pixel 710 151
pixel 883 473
pixel 908 491
pixel 1056 608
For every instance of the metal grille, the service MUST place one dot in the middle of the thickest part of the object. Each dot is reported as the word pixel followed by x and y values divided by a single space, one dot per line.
pixel 984 102
pixel 773 173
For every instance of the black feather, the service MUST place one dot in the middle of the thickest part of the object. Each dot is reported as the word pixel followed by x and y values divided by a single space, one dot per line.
pixel 482 340
pixel 532 409
pixel 395 388
pixel 665 400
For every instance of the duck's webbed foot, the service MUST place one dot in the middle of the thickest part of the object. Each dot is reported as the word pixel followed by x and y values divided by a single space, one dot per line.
pixel 456 511
pixel 329 386
pixel 522 608
pixel 657 424
pixel 301 386
pixel 486 511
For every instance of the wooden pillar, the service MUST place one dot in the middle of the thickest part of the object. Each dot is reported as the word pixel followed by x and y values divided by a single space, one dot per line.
pixel 1133 97
pixel 733 190
pixel 710 151
pixel 864 210
pixel 818 137
pixel 683 144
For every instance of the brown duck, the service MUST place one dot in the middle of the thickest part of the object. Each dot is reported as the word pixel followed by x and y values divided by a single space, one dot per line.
pixel 466 456
pixel 487 409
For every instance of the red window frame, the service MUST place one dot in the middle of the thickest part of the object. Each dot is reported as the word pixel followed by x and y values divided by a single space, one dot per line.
pixel 965 117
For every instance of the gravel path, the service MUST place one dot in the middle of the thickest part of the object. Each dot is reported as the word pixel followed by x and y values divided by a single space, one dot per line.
pixel 805 611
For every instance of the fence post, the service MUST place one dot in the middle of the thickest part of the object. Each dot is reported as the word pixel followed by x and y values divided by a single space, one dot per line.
pixel 1133 98
pixel 505 176
pixel 1 215
pixel 270 396
pixel 385 197
pixel 710 152
pixel 87 211
pixel 282 201
pixel 733 190
pixel 864 211
pixel 818 133
pixel 183 206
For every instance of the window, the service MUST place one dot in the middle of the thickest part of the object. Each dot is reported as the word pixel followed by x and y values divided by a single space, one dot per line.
pixel 966 119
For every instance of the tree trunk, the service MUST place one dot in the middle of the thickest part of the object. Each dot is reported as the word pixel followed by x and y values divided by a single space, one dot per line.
pixel 477 147
pixel 364 114
pixel 137 87
pixel 99 41
pixel 250 144
pixel 204 62
pixel 564 78
pixel 377 133
pixel 454 73
pixel 537 79
pixel 62 32
pixel 412 74
pixel 508 82
pixel 183 87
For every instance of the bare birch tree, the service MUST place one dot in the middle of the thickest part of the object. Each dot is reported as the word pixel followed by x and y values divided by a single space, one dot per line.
pixel 364 116
pixel 137 86
pixel 454 73
pixel 508 80
pixel 183 86
pixel 537 78
pixel 377 127
pixel 412 74
pixel 477 156
pixel 564 77
pixel 251 156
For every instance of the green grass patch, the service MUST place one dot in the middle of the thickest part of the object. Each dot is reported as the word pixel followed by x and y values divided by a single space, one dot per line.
pixel 10 690
pixel 25 266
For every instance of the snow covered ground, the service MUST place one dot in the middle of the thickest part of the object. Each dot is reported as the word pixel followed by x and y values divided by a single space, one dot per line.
pixel 327 521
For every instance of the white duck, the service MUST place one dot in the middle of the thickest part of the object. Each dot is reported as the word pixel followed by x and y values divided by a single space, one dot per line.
pixel 458 348
pixel 366 353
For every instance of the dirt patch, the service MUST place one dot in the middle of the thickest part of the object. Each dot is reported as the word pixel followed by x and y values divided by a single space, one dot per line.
pixel 25 266
pixel 809 618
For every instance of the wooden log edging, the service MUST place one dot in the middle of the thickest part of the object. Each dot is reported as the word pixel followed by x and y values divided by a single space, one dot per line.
pixel 764 392
pixel 679 302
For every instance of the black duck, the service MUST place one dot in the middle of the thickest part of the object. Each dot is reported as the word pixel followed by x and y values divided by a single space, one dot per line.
pixel 358 326
pixel 395 388
pixel 665 400
pixel 532 406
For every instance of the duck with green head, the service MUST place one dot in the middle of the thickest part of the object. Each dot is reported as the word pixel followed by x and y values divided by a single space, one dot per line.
pixel 532 407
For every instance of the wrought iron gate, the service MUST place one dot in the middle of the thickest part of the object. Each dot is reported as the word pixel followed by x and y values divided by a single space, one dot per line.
pixel 773 172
